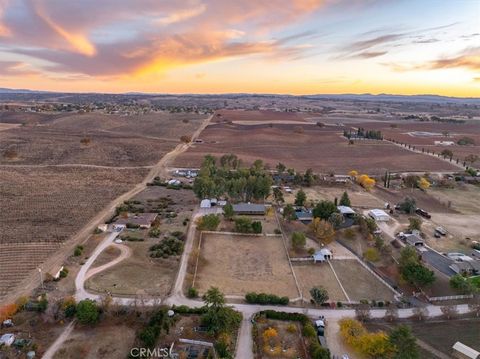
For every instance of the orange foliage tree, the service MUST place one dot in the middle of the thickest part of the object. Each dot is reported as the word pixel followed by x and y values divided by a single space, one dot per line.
pixel 7 311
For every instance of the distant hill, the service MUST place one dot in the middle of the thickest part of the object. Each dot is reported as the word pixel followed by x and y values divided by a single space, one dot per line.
pixel 20 91
pixel 396 98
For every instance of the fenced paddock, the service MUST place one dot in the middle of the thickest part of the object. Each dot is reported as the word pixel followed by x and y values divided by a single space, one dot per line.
pixel 238 264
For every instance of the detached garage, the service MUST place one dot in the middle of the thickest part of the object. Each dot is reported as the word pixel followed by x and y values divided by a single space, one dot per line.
pixel 379 215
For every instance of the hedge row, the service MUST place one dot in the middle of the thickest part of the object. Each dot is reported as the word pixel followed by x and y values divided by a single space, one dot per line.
pixel 263 298
pixel 294 317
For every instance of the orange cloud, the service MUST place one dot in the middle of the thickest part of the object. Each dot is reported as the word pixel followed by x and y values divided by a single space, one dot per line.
pixel 77 41
pixel 4 30
pixel 468 59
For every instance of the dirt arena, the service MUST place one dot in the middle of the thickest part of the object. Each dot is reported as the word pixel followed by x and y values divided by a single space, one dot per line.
pixel 241 264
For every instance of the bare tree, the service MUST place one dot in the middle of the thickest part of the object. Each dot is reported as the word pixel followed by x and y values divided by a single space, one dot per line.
pixel 449 311
pixel 362 312
pixel 391 314
pixel 420 313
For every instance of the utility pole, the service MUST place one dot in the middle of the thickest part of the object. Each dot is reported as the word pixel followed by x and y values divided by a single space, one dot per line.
pixel 41 277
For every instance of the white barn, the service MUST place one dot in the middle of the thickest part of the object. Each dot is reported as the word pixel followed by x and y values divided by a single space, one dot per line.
pixel 379 215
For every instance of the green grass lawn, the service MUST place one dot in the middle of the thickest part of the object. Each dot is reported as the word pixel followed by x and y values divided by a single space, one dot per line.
pixel 475 281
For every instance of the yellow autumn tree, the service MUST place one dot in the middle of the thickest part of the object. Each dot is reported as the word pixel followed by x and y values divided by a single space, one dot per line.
pixel 270 336
pixel 323 230
pixel 353 173
pixel 366 182
pixel 7 311
pixel 423 184
pixel 351 331
pixel 375 345
pixel 369 344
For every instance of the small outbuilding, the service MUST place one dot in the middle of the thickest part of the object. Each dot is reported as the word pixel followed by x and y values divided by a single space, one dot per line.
pixel 462 351
pixel 249 208
pixel 322 255
pixel 205 203
pixel 7 339
pixel 379 215
pixel 346 211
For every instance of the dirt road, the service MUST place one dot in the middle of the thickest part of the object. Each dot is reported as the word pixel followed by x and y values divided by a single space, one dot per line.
pixel 159 169
pixel 125 252
pixel 57 344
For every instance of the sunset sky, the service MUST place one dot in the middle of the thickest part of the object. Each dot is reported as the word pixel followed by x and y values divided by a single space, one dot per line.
pixel 261 46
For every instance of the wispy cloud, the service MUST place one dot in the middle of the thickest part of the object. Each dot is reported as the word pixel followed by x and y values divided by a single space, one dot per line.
pixel 173 33
pixel 468 58
pixel 16 68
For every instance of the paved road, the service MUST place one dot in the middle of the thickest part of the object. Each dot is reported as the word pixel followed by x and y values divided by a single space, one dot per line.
pixel 244 346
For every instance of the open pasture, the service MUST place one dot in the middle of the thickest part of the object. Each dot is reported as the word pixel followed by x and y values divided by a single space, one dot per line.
pixel 97 139
pixel 313 275
pixel 359 283
pixel 241 264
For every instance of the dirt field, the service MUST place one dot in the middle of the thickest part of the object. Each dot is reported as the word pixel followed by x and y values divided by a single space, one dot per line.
pixel 56 202
pixel 464 199
pixel 53 184
pixel 311 275
pixel 425 200
pixel 111 140
pixel 138 274
pixel 360 283
pixel 105 341
pixel 258 117
pixel 305 146
pixel 246 264
pixel 358 196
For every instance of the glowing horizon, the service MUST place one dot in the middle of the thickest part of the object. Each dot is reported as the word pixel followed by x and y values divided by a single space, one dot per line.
pixel 297 47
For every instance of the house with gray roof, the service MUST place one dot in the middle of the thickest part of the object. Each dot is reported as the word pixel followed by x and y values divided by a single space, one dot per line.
pixel 249 209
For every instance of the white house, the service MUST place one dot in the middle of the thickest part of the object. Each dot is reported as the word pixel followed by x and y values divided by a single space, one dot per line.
pixel 322 255
pixel 205 203
pixel 7 339
pixel 379 215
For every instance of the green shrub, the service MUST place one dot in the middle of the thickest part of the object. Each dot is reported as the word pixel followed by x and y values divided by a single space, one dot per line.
pixel 257 227
pixel 209 222
pixel 154 232
pixel 192 292
pixel 309 331
pixel 263 298
pixel 167 247
pixel 87 312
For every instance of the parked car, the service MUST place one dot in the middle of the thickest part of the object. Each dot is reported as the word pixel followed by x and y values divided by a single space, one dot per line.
pixel 423 213
pixel 441 230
